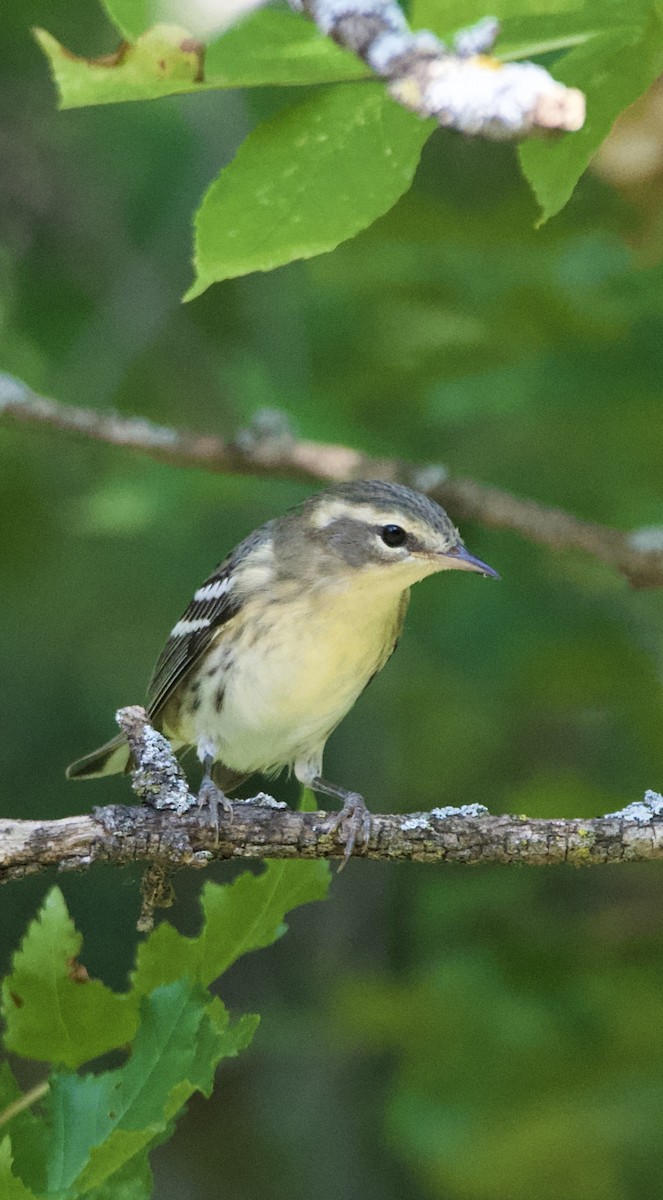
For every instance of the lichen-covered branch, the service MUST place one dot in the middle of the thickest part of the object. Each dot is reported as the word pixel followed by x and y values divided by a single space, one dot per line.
pixel 171 832
pixel 269 449
pixel 463 87
pixel 122 835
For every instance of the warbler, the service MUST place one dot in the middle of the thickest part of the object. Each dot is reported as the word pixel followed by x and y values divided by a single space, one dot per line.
pixel 285 634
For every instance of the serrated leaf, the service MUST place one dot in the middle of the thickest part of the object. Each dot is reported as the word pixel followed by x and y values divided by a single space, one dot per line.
pixel 612 69
pixel 238 917
pixel 304 181
pixel 53 1010
pixel 269 48
pixel 216 1039
pixel 237 1036
pixel 225 1042
pixel 11 1188
pixel 100 1122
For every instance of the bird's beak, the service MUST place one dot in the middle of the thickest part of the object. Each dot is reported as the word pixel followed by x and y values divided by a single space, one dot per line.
pixel 461 559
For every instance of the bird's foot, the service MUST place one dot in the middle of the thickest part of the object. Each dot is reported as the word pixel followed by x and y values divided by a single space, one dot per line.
pixel 211 799
pixel 353 823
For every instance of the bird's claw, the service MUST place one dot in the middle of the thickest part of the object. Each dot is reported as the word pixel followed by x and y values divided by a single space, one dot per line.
pixel 354 824
pixel 211 798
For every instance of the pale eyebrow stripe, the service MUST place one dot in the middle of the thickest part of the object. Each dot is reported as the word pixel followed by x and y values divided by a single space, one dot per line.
pixel 327 513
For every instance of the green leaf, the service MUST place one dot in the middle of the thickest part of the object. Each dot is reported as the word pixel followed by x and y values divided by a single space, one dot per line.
pixel 612 69
pixel 446 17
pixel 238 917
pixel 132 1182
pixel 235 1037
pixel 530 36
pixel 102 1122
pixel 11 1188
pixel 132 17
pixel 28 1133
pixel 218 1038
pixel 52 1009
pixel 304 181
pixel 276 46
pixel 158 64
pixel 270 47
pixel 9 1089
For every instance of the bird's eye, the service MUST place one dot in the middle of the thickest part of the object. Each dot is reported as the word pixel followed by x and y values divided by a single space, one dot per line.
pixel 393 535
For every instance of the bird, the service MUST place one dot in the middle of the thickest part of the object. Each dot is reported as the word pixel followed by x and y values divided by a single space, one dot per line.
pixel 284 635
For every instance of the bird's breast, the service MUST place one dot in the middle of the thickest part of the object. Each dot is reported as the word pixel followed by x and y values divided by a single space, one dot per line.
pixel 280 676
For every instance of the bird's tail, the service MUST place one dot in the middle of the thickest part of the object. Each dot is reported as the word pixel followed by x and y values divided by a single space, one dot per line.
pixel 112 759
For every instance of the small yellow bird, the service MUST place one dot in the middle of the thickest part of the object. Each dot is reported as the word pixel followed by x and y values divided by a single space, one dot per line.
pixel 285 634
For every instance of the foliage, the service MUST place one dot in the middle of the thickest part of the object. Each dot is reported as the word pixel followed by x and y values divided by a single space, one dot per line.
pixel 379 144
pixel 613 68
pixel 278 200
pixel 87 1021
pixel 433 1035
pixel 93 1131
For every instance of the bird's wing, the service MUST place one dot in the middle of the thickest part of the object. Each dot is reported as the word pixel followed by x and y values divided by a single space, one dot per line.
pixel 213 605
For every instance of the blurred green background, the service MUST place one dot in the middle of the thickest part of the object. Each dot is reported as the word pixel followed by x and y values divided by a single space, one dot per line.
pixel 428 1032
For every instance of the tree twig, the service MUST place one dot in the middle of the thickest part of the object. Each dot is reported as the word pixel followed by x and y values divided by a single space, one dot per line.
pixel 25 1100
pixel 462 87
pixel 171 835
pixel 270 450
pixel 122 835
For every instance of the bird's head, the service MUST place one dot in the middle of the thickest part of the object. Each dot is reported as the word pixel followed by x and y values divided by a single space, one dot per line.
pixel 374 533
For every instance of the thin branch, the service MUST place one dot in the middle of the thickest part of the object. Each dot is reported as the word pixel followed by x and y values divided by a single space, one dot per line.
pixel 271 450
pixel 462 87
pixel 26 1100
pixel 262 829
pixel 174 833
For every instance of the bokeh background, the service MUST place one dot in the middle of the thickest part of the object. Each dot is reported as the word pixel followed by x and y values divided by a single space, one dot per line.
pixel 439 1033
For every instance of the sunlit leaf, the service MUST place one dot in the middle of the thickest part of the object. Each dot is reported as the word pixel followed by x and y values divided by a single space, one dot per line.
pixel 132 17
pixel 548 17
pixel 161 62
pixel 276 46
pixel 270 47
pixel 52 1009
pixel 612 69
pixel 304 181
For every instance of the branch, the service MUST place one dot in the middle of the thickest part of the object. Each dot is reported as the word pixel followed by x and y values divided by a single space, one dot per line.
pixel 261 828
pixel 269 449
pixel 463 88
pixel 265 828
